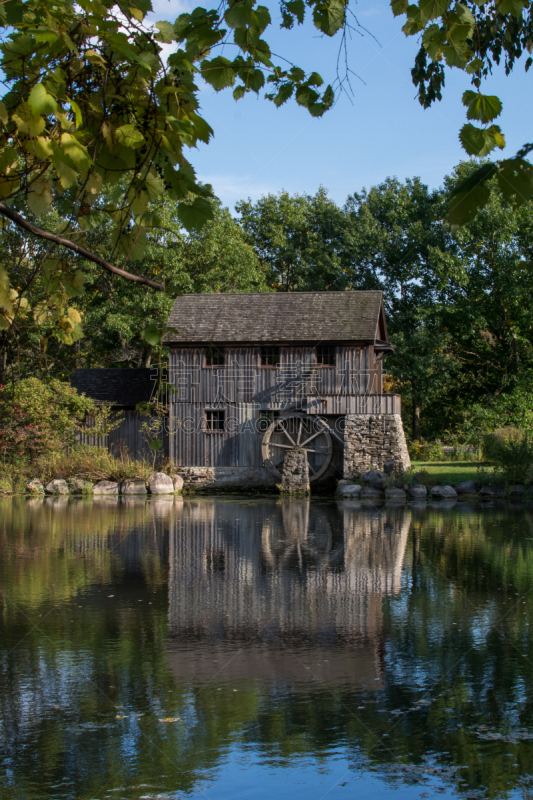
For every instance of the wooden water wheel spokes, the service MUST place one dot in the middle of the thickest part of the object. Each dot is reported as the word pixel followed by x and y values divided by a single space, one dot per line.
pixel 308 433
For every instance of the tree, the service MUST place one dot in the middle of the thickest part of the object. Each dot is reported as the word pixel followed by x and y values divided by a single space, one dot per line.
pixel 299 240
pixel 472 36
pixel 91 105
pixel 111 314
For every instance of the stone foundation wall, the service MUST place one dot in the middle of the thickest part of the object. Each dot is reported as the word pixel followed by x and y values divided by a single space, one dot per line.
pixel 370 441
pixel 295 478
pixel 226 477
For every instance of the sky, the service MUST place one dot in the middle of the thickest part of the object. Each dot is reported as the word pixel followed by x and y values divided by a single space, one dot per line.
pixel 379 131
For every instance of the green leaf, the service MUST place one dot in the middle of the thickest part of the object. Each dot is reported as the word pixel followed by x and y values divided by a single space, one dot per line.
pixel 463 207
pixel 432 9
pixel 482 106
pixel 40 101
pixel 77 112
pixel 480 141
pixel 329 16
pixel 166 32
pixel 4 117
pixel 239 92
pixel 153 334
pixel 220 72
pixel 514 7
pixel 470 195
pixel 193 216
pixel 239 15
pixel 515 179
pixel 156 444
pixel 399 7
pixel 129 136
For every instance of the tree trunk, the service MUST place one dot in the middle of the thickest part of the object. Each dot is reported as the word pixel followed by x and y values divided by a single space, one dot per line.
pixel 147 355
pixel 416 418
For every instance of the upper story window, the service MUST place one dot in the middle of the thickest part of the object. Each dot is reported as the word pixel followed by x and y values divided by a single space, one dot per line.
pixel 326 356
pixel 215 357
pixel 270 356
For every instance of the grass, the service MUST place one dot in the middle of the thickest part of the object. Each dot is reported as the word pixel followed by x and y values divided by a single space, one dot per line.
pixel 444 473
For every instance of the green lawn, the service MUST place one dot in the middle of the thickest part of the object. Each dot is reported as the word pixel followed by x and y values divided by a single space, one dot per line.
pixel 450 472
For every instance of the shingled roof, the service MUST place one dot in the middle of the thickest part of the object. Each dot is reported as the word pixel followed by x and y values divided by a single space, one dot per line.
pixel 120 387
pixel 277 317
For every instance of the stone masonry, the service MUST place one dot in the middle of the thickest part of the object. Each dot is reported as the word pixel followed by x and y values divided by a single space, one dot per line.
pixel 295 478
pixel 370 441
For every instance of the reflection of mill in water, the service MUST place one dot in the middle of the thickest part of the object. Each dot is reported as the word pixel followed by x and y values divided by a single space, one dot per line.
pixel 290 592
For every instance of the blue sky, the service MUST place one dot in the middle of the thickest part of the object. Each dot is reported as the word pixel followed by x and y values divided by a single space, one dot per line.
pixel 382 132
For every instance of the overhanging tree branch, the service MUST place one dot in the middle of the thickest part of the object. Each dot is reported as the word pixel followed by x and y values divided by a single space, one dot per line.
pixel 19 220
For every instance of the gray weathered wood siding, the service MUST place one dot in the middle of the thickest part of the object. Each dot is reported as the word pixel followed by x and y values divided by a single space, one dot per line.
pixel 354 404
pixel 242 388
pixel 238 445
pixel 126 436
pixel 243 380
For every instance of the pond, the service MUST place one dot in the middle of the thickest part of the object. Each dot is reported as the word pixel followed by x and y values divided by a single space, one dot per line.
pixel 251 648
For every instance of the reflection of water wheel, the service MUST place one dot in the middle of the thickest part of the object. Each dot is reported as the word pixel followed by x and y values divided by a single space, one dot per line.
pixel 310 433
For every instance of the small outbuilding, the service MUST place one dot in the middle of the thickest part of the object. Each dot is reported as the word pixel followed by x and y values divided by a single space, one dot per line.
pixel 122 389
pixel 267 381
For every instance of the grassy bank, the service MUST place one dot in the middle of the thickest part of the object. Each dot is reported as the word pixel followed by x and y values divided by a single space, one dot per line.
pixel 442 473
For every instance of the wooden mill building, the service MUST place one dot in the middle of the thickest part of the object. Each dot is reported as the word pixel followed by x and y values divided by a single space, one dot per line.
pixel 258 374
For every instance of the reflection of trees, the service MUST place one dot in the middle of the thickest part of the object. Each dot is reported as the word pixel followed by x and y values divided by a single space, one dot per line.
pixel 294 579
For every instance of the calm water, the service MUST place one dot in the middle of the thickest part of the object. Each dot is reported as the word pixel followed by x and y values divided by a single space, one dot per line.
pixel 259 648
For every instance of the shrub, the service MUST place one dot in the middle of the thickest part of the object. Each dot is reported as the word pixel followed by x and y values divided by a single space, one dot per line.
pixel 37 417
pixel 90 464
pixel 511 452
pixel 420 450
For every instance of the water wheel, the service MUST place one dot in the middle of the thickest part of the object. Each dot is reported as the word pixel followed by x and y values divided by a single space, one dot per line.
pixel 309 433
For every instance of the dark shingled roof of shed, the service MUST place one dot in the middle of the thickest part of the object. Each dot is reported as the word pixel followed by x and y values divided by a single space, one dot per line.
pixel 121 387
pixel 275 317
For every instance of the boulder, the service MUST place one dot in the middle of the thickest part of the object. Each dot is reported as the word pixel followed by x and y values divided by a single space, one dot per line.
pixel 466 487
pixel 417 491
pixel 177 480
pixel 492 491
pixel 79 486
pixel 371 493
pixel 393 493
pixel 388 467
pixel 375 478
pixel 517 490
pixel 343 482
pixel 160 483
pixel 350 490
pixel 35 486
pixel 133 486
pixel 446 492
pixel 57 486
pixel 105 487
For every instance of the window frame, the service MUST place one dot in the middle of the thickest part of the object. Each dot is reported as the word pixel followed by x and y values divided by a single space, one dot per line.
pixel 321 365
pixel 221 415
pixel 221 350
pixel 269 347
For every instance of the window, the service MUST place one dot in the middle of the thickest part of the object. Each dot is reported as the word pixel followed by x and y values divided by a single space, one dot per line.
pixel 214 357
pixel 326 356
pixel 266 418
pixel 270 357
pixel 214 421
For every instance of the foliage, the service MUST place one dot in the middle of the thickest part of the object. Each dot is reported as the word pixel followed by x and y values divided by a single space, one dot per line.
pixel 153 427
pixel 511 452
pixel 90 464
pixel 37 417
pixel 471 36
pixel 96 121
pixel 114 313
pixel 420 450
